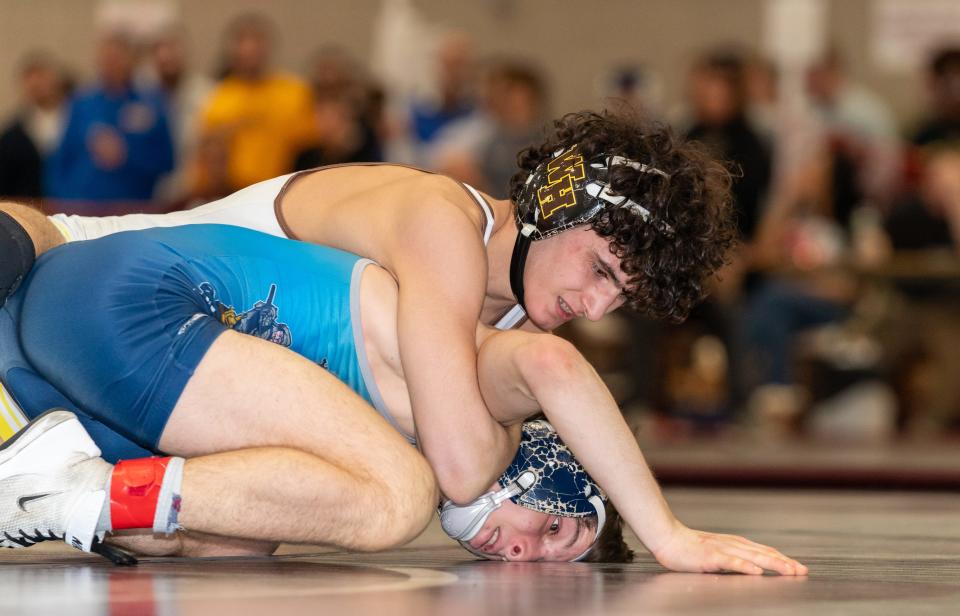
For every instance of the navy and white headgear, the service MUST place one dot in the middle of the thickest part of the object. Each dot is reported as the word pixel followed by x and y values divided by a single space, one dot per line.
pixel 565 192
pixel 544 476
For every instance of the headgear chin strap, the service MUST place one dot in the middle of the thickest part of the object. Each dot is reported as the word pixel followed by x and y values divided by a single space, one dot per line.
pixel 544 477
pixel 519 261
pixel 565 192
pixel 464 522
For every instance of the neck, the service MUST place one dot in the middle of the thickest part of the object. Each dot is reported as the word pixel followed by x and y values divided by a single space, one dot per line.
pixel 499 252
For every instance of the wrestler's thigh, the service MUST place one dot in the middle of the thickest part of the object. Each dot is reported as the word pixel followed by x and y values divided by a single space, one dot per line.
pixel 247 392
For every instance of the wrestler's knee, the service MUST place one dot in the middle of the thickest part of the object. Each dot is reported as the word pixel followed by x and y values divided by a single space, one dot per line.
pixel 407 500
pixel 420 499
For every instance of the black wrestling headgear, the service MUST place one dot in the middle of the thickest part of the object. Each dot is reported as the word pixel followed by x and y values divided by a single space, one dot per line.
pixel 565 192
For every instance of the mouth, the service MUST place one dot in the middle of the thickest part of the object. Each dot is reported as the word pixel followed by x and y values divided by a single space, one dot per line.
pixel 564 309
pixel 488 546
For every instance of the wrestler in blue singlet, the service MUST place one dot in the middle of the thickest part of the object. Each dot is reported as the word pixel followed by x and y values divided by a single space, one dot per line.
pixel 160 297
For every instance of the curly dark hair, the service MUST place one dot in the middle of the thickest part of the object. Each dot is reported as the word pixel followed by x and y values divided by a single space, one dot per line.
pixel 668 260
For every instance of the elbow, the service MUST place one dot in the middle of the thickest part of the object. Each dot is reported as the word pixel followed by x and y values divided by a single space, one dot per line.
pixel 465 473
pixel 463 488
pixel 545 359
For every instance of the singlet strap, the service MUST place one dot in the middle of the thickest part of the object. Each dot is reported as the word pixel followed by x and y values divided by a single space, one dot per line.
pixel 512 318
pixel 488 212
pixel 515 315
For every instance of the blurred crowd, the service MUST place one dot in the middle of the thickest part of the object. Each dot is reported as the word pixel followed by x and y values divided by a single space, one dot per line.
pixel 834 316
pixel 152 131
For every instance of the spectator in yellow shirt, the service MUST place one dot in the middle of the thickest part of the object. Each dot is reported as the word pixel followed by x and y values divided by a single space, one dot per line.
pixel 258 116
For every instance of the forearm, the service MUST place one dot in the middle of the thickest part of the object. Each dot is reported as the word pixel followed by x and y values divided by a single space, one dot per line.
pixel 464 444
pixel 578 404
pixel 438 308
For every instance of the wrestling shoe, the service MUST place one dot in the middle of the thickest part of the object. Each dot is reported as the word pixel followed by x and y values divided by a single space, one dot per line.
pixel 52 484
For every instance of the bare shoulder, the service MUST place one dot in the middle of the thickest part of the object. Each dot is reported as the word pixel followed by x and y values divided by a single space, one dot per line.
pixel 440 191
pixel 372 192
pixel 436 245
pixel 429 212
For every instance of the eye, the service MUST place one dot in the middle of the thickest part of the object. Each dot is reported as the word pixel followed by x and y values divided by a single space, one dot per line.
pixel 599 272
pixel 555 527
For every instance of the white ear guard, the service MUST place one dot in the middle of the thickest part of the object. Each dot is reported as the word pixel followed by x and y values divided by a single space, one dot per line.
pixel 600 506
pixel 464 522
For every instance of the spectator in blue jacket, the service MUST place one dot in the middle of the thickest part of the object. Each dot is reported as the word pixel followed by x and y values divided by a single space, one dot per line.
pixel 117 141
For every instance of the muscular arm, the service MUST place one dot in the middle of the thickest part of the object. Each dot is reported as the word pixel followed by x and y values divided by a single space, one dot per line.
pixel 520 372
pixel 441 278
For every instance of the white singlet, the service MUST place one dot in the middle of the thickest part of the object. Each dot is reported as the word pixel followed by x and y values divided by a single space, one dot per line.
pixel 251 207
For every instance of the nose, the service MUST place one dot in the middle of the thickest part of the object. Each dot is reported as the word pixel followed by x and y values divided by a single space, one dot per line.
pixel 518 549
pixel 597 301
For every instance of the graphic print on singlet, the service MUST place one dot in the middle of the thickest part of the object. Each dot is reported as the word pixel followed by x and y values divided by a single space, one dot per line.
pixel 261 320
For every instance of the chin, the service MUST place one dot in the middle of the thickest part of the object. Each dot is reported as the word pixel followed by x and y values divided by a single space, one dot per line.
pixel 544 324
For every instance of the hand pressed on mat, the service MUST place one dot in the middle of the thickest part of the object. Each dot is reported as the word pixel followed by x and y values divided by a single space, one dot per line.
pixel 697 551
